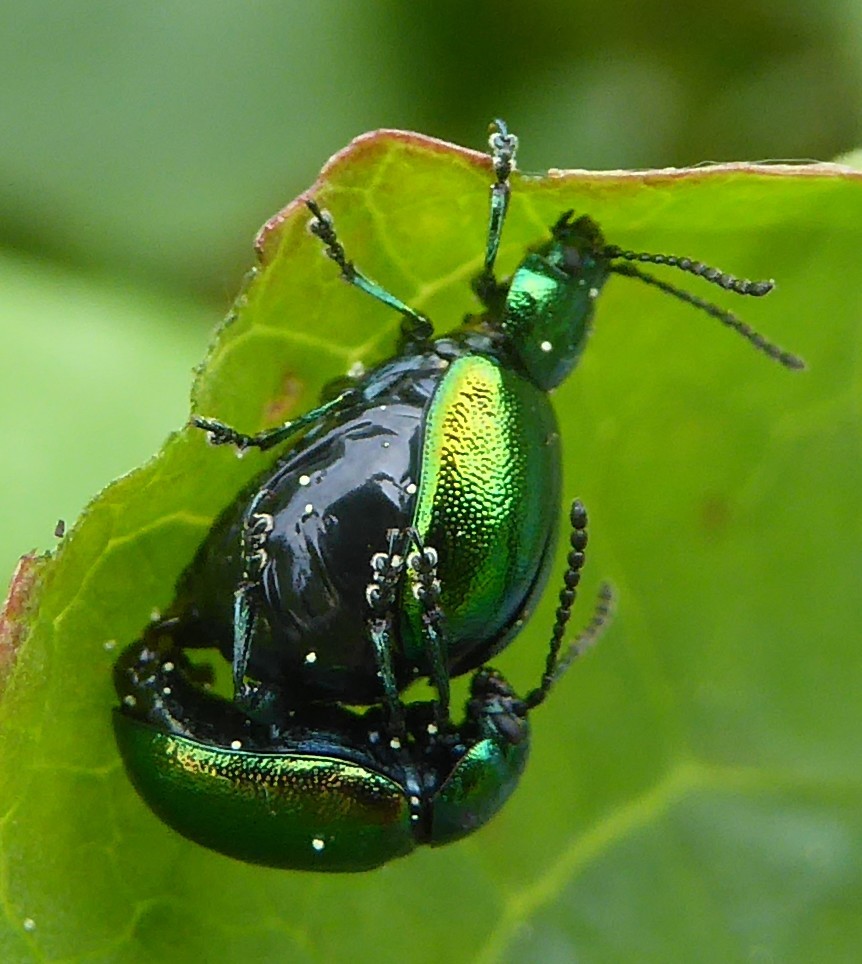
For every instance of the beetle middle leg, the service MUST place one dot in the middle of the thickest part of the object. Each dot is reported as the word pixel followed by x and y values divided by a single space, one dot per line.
pixel 389 570
pixel 416 329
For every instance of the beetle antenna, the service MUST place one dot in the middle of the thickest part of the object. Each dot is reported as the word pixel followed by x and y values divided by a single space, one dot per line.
pixel 571 580
pixel 785 358
pixel 590 634
pixel 740 286
pixel 585 640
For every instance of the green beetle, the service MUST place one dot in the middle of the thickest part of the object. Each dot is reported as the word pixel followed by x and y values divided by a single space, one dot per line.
pixel 447 454
pixel 328 789
pixel 440 468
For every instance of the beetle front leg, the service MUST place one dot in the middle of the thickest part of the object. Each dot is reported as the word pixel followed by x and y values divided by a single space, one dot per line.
pixel 503 149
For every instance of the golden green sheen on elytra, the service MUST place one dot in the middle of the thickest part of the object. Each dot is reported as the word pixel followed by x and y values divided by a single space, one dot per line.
pixel 488 496
pixel 280 809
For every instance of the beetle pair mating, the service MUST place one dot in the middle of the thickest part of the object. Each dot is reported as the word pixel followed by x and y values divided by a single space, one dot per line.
pixel 406 533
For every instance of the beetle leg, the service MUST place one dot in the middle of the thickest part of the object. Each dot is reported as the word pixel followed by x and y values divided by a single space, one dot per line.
pixel 157 683
pixel 244 623
pixel 256 528
pixel 423 562
pixel 220 434
pixel 388 568
pixel 182 632
pixel 416 329
pixel 503 149
pixel 260 702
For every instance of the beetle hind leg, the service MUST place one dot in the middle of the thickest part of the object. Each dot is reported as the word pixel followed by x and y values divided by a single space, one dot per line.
pixel 423 563
pixel 387 568
pixel 218 433
pixel 260 702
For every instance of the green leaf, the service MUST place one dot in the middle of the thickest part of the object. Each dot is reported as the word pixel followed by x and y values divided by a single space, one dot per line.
pixel 694 791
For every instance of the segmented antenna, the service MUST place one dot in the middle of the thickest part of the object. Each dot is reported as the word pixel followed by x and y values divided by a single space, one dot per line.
pixel 585 640
pixel 713 275
pixel 590 634
pixel 741 286
pixel 571 580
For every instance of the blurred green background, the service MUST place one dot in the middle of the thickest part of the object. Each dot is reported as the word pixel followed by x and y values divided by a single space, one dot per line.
pixel 143 145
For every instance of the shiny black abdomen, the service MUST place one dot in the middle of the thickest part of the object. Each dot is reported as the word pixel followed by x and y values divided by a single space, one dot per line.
pixel 449 442
pixel 332 500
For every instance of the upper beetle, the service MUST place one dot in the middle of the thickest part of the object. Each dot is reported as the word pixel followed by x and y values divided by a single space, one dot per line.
pixel 440 467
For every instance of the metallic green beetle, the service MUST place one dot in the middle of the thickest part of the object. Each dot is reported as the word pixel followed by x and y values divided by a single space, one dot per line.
pixel 441 469
pixel 328 789
pixel 441 466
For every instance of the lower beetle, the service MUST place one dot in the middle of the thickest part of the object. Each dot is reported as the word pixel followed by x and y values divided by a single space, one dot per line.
pixel 447 455
pixel 327 788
